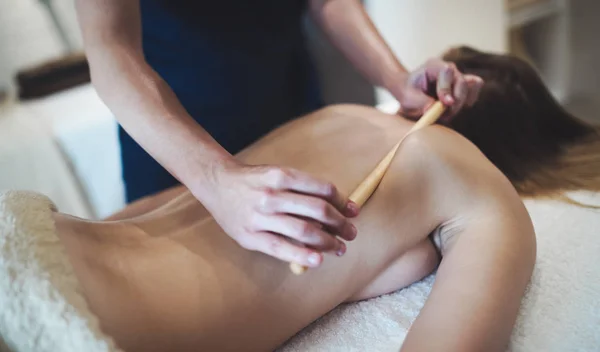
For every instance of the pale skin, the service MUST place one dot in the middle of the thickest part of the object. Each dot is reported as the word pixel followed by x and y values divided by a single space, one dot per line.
pixel 162 275
pixel 150 112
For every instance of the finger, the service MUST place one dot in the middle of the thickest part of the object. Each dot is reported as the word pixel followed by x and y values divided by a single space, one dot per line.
pixel 445 81
pixel 302 231
pixel 460 91
pixel 341 250
pixel 280 248
pixel 475 85
pixel 309 207
pixel 433 67
pixel 297 181
pixel 307 184
pixel 418 79
pixel 414 103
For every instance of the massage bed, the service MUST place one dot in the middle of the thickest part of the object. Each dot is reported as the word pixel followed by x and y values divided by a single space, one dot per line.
pixel 43 310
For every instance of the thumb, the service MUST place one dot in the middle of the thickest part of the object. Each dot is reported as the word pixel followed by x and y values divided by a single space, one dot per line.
pixel 414 103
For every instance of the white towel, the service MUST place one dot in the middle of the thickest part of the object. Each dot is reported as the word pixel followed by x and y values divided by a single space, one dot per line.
pixel 379 324
pixel 42 309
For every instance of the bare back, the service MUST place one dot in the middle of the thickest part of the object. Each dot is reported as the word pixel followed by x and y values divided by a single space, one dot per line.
pixel 171 279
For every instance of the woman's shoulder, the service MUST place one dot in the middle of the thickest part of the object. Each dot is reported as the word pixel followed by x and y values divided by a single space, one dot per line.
pixel 457 175
pixel 448 152
pixel 354 111
pixel 459 184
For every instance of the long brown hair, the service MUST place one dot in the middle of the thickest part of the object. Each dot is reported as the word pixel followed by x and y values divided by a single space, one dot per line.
pixel 524 131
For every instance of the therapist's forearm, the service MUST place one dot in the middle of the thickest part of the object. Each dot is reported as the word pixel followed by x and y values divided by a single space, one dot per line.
pixel 349 28
pixel 151 113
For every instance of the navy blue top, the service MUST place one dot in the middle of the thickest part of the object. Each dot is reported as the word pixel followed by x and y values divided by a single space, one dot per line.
pixel 239 67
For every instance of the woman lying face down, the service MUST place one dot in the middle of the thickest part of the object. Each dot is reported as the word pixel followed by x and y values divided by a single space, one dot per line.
pixel 162 276
pixel 171 280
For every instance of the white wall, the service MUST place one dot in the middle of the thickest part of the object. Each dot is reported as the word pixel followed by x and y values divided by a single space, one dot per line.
pixel 419 29
pixel 27 36
pixel 585 15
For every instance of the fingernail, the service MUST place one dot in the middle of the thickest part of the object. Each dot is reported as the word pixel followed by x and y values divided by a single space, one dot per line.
pixel 342 250
pixel 449 99
pixel 314 259
pixel 353 230
pixel 352 208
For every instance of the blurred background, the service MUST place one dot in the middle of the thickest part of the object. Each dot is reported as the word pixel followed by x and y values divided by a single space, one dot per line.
pixel 58 138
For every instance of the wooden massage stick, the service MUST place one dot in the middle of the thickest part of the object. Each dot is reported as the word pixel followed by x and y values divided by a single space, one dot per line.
pixel 365 189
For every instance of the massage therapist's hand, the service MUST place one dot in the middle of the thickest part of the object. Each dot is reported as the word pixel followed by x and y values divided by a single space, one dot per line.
pixel 441 80
pixel 263 207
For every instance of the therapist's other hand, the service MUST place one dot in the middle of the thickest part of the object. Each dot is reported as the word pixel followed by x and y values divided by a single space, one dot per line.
pixel 436 80
pixel 263 207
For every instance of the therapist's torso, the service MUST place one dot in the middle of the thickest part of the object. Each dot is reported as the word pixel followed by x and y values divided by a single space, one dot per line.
pixel 239 67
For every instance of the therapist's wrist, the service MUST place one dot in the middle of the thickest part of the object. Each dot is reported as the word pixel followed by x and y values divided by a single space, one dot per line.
pixel 207 178
pixel 396 83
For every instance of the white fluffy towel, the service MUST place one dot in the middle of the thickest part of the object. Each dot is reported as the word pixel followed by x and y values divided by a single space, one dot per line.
pixel 41 306
pixel 42 309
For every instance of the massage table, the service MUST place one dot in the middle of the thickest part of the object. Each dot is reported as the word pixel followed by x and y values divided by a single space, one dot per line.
pixel 42 308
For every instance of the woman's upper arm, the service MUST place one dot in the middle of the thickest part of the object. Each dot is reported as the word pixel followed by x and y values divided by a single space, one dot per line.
pixel 488 253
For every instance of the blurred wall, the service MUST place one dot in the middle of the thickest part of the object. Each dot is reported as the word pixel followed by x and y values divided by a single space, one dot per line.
pixel 585 43
pixel 27 36
pixel 418 30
